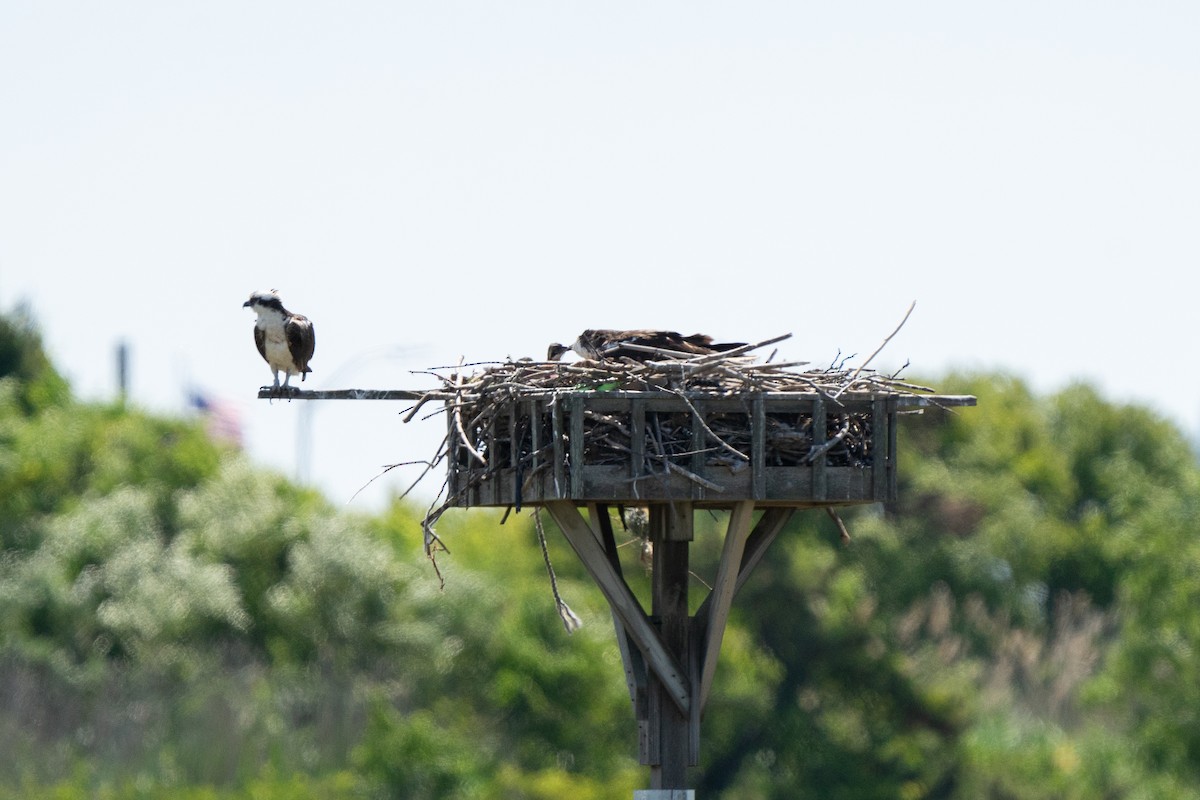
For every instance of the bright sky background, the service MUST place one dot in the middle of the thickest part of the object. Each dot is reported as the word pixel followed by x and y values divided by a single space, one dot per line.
pixel 443 179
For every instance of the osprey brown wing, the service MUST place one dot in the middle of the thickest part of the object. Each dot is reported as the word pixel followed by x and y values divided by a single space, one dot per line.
pixel 302 341
pixel 260 341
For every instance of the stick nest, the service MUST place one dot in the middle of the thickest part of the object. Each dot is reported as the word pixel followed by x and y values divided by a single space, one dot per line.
pixel 479 440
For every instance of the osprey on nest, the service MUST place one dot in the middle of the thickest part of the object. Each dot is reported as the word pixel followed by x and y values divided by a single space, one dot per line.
pixel 605 344
pixel 286 341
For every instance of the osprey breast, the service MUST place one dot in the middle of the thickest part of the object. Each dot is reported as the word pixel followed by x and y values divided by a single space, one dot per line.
pixel 272 340
pixel 278 355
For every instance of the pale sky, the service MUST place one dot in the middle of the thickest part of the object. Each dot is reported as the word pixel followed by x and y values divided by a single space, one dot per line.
pixel 430 181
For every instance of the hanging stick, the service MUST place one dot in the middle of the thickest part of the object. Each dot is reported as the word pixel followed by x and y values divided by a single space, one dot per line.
pixel 569 619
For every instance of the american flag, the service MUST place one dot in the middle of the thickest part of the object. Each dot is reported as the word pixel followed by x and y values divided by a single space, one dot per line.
pixel 222 417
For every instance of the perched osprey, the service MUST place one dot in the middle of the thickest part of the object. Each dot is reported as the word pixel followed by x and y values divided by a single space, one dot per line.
pixel 285 340
pixel 601 344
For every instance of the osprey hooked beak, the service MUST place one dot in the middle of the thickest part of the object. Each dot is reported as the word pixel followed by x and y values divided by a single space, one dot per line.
pixel 555 352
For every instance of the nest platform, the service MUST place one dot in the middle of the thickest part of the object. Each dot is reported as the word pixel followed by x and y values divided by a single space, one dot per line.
pixel 531 433
pixel 644 447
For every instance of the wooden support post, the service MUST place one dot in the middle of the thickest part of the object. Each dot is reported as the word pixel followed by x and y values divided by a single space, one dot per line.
pixel 575 445
pixel 819 423
pixel 560 470
pixel 671 531
pixel 879 455
pixel 698 444
pixel 758 447
pixel 637 439
pixel 670 658
pixel 893 465
pixel 493 457
pixel 535 444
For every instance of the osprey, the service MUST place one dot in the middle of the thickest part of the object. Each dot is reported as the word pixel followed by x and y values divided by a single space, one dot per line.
pixel 285 340
pixel 601 344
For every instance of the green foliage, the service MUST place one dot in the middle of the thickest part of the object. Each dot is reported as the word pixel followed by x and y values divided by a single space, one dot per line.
pixel 104 582
pixel 417 756
pixel 342 785
pixel 72 454
pixel 1152 678
pixel 980 638
pixel 174 622
pixel 25 370
pixel 314 583
pixel 862 725
pixel 493 661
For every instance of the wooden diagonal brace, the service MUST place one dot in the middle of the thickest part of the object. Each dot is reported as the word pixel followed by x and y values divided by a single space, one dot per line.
pixel 721 597
pixel 659 660
pixel 631 656
pixel 754 547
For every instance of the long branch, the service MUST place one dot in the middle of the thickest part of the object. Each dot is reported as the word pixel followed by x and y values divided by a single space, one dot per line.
pixel 878 350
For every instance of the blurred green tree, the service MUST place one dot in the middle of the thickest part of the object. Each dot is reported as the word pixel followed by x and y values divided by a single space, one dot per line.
pixel 175 622
pixel 25 365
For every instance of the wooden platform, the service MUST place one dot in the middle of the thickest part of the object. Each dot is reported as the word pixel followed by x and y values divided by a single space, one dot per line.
pixel 797 450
